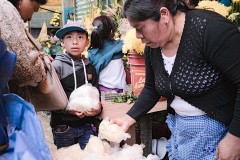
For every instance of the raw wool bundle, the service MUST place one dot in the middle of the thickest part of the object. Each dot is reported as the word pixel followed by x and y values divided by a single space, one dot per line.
pixel 134 152
pixel 73 152
pixel 97 149
pixel 152 157
pixel 112 132
pixel 98 146
pixel 84 98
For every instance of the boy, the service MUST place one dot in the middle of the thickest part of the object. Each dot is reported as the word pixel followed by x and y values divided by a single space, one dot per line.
pixel 71 127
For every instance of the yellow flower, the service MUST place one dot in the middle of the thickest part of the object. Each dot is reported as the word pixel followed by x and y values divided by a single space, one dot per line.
pixel 214 6
pixel 235 1
pixel 131 43
pixel 48 44
pixel 55 21
pixel 89 16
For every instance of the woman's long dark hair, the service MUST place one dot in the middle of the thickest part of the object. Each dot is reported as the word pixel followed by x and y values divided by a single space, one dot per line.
pixel 16 2
pixel 103 28
pixel 141 10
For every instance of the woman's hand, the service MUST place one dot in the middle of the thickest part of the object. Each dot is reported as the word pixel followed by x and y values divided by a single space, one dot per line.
pixel 228 148
pixel 124 122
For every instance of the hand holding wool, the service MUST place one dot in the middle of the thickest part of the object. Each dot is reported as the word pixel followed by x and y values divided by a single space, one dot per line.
pixel 112 132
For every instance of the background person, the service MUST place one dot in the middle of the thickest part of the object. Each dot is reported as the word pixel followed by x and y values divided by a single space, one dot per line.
pixel 55 44
pixel 192 58
pixel 29 70
pixel 105 54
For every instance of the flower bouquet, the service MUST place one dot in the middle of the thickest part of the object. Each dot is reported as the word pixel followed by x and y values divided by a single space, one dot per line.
pixel 132 44
pixel 231 12
pixel 55 21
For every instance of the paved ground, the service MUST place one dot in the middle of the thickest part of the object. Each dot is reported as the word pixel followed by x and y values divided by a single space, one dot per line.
pixel 47 130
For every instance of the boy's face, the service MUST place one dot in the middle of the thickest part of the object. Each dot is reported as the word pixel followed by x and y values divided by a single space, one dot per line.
pixel 75 43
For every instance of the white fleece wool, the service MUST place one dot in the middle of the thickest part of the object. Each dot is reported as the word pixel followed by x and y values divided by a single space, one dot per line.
pixel 98 149
pixel 112 132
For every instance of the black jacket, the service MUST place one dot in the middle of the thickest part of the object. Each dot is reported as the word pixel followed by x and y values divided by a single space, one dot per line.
pixel 206 72
pixel 64 68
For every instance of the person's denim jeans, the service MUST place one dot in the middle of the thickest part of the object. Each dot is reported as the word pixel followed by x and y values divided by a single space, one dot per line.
pixel 65 136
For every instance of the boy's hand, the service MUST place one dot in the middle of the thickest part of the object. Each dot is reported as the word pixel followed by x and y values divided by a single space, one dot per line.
pixel 77 113
pixel 93 111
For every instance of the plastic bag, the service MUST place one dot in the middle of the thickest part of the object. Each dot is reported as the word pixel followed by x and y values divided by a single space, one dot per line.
pixel 7 63
pixel 83 98
pixel 26 138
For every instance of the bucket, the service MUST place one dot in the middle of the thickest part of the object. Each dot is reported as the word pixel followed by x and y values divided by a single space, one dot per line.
pixel 137 68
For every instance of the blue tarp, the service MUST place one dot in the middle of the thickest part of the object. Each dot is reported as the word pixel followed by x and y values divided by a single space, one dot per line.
pixel 26 137
pixel 20 128
pixel 7 63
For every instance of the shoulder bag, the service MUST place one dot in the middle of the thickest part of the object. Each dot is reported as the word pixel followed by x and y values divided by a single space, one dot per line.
pixel 49 93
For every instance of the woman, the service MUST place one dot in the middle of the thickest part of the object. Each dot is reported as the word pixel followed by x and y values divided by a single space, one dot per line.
pixel 29 70
pixel 105 54
pixel 192 58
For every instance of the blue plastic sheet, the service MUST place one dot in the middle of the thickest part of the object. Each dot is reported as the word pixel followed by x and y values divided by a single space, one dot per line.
pixel 26 137
pixel 7 63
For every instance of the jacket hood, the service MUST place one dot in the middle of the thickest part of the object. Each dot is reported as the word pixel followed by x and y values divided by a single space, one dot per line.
pixel 65 57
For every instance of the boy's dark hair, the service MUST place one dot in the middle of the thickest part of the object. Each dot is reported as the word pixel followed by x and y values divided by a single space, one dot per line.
pixel 103 28
pixel 16 2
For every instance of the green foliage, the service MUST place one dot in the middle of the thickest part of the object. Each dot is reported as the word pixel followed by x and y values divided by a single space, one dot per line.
pixel 234 13
pixel 125 98
pixel 114 10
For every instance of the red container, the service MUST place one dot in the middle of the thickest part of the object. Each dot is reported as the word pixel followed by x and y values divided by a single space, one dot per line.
pixel 128 75
pixel 137 68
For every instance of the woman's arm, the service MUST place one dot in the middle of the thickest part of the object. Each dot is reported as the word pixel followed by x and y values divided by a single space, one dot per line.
pixel 222 50
pixel 29 70
pixel 149 95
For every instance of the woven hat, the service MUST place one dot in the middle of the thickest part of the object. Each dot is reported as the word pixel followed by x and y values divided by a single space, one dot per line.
pixel 71 26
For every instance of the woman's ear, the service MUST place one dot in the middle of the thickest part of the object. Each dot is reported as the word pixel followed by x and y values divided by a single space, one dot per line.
pixel 164 14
